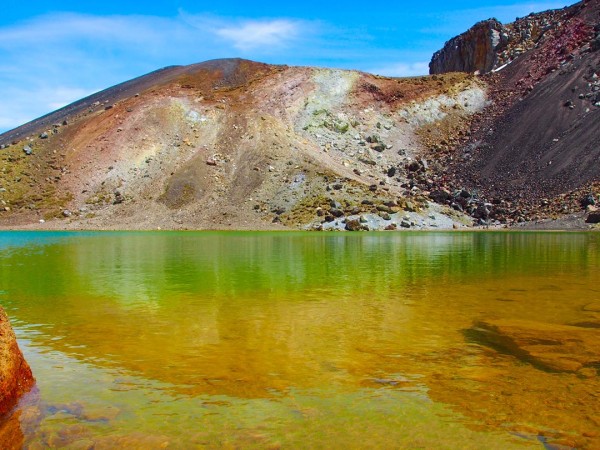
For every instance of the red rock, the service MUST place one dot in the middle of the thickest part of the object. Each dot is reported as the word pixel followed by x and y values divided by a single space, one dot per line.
pixel 15 374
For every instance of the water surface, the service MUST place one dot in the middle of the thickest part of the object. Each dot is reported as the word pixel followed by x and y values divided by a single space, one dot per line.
pixel 268 340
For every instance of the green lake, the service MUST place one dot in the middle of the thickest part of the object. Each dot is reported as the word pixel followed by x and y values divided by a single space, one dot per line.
pixel 294 340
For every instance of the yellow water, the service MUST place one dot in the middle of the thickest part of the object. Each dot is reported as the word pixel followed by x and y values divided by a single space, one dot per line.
pixel 294 340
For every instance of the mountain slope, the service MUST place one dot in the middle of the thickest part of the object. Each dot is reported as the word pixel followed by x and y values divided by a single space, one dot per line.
pixel 540 137
pixel 234 144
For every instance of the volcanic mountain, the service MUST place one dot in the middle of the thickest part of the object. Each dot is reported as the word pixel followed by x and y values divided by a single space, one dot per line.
pixel 505 130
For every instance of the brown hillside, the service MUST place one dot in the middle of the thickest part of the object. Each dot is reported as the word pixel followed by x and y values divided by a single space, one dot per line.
pixel 234 144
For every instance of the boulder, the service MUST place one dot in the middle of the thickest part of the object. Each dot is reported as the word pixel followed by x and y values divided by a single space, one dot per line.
pixel 355 225
pixel 593 217
pixel 556 348
pixel 15 374
pixel 336 212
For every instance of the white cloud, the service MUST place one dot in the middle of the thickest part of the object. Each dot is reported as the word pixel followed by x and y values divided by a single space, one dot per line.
pixel 51 60
pixel 62 96
pixel 402 69
pixel 23 105
pixel 260 34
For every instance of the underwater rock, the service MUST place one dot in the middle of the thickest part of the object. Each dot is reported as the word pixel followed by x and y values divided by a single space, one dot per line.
pixel 15 374
pixel 558 348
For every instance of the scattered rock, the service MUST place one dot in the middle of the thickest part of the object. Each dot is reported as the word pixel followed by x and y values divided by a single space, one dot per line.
pixel 414 166
pixel 588 200
pixel 355 225
pixel 44 136
pixel 28 150
pixel 118 198
pixel 336 212
pixel 378 147
pixel 410 207
pixel 67 213
pixel 211 162
pixel 440 196
pixel 593 217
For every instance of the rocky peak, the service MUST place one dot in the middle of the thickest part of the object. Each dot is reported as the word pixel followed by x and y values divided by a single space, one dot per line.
pixel 489 44
pixel 475 50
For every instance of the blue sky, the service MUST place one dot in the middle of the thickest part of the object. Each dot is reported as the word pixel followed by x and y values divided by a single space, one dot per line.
pixel 53 53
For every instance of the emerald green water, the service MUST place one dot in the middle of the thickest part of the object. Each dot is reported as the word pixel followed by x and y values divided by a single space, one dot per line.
pixel 293 340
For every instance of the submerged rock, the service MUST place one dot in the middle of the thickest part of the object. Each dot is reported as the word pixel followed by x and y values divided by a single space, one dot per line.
pixel 15 374
pixel 558 348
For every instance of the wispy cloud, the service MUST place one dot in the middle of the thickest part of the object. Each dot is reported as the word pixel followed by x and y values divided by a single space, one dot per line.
pixel 260 34
pixel 20 102
pixel 402 69
pixel 51 60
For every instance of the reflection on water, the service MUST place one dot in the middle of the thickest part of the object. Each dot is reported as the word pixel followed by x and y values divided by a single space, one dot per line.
pixel 294 339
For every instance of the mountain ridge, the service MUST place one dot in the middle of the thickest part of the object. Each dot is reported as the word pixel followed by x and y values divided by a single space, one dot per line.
pixel 237 144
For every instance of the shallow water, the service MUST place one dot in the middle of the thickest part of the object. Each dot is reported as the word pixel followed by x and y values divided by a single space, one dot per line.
pixel 268 340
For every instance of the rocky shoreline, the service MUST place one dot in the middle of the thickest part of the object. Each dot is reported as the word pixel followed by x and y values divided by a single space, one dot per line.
pixel 15 374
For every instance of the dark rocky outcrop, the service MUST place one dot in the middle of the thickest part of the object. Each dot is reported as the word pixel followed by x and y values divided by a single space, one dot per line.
pixel 593 217
pixel 15 374
pixel 490 44
pixel 474 51
pixel 532 151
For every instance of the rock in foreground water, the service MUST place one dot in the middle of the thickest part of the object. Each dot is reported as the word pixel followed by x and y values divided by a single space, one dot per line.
pixel 15 374
pixel 559 348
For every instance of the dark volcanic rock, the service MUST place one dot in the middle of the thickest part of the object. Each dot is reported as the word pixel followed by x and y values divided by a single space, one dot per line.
pixel 588 200
pixel 593 217
pixel 527 145
pixel 440 196
pixel 489 44
pixel 355 225
pixel 475 50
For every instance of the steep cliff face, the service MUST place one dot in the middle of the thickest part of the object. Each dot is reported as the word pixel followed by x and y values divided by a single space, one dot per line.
pixel 535 148
pixel 15 374
pixel 476 50
pixel 489 44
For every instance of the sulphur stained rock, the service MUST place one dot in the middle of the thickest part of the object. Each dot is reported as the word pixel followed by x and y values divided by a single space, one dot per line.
pixel 15 374
pixel 559 348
